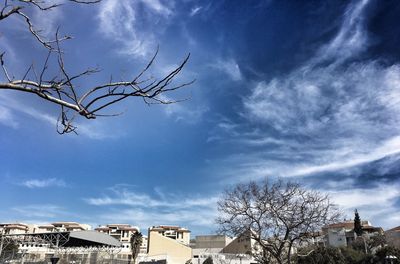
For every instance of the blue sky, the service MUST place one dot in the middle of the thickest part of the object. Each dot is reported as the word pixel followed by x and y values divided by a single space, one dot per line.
pixel 306 91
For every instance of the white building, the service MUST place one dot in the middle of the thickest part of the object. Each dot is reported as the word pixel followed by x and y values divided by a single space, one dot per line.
pixel 123 233
pixel 342 234
pixel 15 228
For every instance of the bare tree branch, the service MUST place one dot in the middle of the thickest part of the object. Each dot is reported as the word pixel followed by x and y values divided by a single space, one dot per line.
pixel 62 89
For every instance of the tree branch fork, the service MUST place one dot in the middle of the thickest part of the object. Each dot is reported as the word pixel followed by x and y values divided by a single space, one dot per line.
pixel 63 90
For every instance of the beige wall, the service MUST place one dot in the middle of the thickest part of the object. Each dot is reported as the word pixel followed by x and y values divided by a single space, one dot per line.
pixel 240 245
pixel 212 241
pixel 164 247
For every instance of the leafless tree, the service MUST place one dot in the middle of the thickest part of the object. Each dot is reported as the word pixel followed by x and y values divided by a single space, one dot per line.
pixel 275 215
pixel 62 88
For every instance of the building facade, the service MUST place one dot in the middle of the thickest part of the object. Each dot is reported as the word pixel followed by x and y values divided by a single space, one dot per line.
pixel 342 234
pixel 123 233
pixel 169 243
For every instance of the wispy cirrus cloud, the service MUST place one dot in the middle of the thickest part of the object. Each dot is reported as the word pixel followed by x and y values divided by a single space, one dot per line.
pixel 133 24
pixel 13 108
pixel 195 10
pixel 126 195
pixel 333 112
pixel 159 6
pixel 352 38
pixel 9 52
pixel 372 203
pixel 43 183
pixel 42 211
pixel 11 102
pixel 230 68
pixel 47 24
pixel 160 208
pixel 7 118
pixel 188 115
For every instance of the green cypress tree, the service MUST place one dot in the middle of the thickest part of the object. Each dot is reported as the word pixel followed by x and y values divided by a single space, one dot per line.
pixel 357 224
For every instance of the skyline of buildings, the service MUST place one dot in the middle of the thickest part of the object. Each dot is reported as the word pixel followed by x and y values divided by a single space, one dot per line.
pixel 173 244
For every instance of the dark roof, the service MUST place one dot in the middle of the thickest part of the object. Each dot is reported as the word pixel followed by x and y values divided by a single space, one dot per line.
pixel 91 238
pixel 78 238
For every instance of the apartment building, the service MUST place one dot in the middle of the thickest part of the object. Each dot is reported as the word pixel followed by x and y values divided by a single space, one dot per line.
pixel 169 243
pixel 61 227
pixel 69 226
pixel 21 228
pixel 45 228
pixel 123 233
pixel 342 234
pixel 15 228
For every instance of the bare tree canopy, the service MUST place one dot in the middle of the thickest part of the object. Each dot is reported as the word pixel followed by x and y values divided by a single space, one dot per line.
pixel 276 215
pixel 62 88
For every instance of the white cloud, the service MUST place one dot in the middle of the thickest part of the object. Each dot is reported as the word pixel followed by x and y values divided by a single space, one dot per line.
pixel 321 116
pixel 6 118
pixel 117 21
pixel 7 100
pixel 284 160
pixel 43 183
pixel 10 54
pixel 308 102
pixel 46 22
pixel 351 39
pixel 164 208
pixel 353 198
pixel 10 105
pixel 229 67
pixel 193 218
pixel 181 113
pixel 371 203
pixel 98 130
pixel 387 148
pixel 158 7
pixel 124 22
pixel 122 195
pixel 195 10
pixel 39 211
